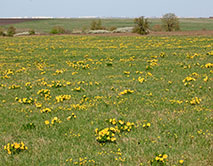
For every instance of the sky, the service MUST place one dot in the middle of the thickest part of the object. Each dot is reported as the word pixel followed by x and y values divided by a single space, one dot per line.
pixel 105 8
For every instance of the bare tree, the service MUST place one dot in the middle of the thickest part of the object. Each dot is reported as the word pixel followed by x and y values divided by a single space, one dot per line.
pixel 170 22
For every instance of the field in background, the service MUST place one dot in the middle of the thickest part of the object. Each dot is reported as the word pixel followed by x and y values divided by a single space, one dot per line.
pixel 44 26
pixel 161 84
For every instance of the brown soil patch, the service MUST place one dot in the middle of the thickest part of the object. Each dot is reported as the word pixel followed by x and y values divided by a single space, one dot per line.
pixel 5 21
pixel 178 33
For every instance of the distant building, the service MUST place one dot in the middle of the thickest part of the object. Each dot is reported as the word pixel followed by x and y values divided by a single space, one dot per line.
pixel 211 17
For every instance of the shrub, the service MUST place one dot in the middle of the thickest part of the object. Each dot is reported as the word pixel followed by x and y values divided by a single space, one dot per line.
pixel 57 30
pixel 11 31
pixel 97 25
pixel 170 22
pixel 112 28
pixel 31 32
pixel 142 26
pixel 1 32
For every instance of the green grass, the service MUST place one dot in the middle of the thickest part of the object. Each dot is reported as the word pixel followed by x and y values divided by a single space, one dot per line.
pixel 178 128
pixel 45 26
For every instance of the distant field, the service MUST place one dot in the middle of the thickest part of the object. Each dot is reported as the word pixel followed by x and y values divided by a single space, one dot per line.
pixel 44 26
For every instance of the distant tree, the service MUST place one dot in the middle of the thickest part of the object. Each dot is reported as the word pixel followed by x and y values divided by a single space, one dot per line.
pixel 96 25
pixel 141 25
pixel 57 30
pixel 170 22
pixel 93 25
pixel 31 32
pixel 1 32
pixel 11 31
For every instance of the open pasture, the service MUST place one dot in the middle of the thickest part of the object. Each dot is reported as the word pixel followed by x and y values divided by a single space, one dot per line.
pixel 95 100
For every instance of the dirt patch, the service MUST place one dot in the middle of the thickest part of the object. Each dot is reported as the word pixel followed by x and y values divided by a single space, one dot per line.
pixel 178 33
pixel 6 21
pixel 184 33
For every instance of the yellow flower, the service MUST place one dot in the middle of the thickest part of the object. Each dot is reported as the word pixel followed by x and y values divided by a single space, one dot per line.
pixel 157 158
pixel 165 156
pixel 181 161
pixel 69 117
pixel 148 124
pixel 16 145
pixel 47 122
pixel 113 139
pixel 121 122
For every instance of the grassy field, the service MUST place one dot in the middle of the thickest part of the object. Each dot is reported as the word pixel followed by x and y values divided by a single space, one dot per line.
pixel 150 95
pixel 45 26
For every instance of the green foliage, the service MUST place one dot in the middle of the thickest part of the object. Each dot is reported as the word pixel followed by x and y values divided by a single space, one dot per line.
pixel 96 25
pixel 57 30
pixel 141 26
pixel 1 32
pixel 11 31
pixel 112 28
pixel 32 32
pixel 170 22
pixel 28 126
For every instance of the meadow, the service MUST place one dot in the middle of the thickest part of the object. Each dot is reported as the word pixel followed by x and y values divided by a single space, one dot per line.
pixel 95 100
pixel 70 24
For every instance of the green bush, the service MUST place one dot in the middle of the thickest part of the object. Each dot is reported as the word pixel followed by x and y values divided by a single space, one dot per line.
pixel 141 26
pixel 11 31
pixel 57 30
pixel 112 28
pixel 1 32
pixel 170 22
pixel 31 32
pixel 97 25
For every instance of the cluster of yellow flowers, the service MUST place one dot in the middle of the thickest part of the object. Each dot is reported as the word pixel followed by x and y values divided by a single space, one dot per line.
pixel 45 93
pixel 14 86
pixel 210 53
pixel 187 80
pixel 72 116
pixel 160 159
pixel 81 161
pixel 7 73
pixel 77 89
pixel 209 65
pixel 141 79
pixel 151 63
pixel 126 91
pixel 61 98
pixel 195 101
pixel 38 105
pixel 78 64
pixel 53 121
pixel 108 134
pixel 72 134
pixel 28 85
pixel 15 147
pixel 56 84
pixel 146 125
pixel 25 100
pixel 45 110
pixel 105 135
pixel 59 71
pixel 121 126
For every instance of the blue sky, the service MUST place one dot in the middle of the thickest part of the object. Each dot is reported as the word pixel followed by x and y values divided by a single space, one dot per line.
pixel 107 8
